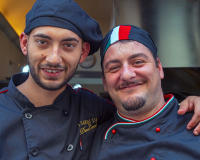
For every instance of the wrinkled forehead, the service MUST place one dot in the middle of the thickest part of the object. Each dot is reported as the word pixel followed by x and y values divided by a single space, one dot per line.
pixel 126 48
pixel 132 44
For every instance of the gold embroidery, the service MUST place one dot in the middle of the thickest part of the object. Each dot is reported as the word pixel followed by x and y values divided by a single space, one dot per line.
pixel 87 125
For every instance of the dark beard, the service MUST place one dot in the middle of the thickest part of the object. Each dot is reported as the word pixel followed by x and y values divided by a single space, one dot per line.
pixel 134 104
pixel 37 80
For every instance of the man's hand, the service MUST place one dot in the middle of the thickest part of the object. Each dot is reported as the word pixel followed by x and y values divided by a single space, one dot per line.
pixel 191 103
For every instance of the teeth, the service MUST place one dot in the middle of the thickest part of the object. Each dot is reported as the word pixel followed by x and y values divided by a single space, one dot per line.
pixel 51 71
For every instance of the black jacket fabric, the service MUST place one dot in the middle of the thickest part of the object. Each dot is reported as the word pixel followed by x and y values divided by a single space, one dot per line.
pixel 63 130
pixel 162 136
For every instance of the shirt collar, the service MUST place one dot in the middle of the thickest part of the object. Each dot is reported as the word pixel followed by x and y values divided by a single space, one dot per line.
pixel 61 102
pixel 169 98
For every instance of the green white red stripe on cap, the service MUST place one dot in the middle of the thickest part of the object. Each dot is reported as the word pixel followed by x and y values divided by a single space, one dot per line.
pixel 118 33
pixel 127 32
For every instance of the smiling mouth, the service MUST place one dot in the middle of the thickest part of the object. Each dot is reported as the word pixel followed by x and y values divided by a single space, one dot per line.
pixel 130 85
pixel 52 73
pixel 52 70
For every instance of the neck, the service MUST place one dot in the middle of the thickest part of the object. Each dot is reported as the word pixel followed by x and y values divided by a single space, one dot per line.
pixel 37 95
pixel 149 109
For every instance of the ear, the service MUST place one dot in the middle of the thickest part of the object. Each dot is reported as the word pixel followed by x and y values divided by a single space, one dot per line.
pixel 23 38
pixel 85 51
pixel 160 68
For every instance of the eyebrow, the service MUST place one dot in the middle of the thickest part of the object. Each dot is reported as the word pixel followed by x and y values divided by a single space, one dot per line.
pixel 71 39
pixel 110 62
pixel 138 55
pixel 40 35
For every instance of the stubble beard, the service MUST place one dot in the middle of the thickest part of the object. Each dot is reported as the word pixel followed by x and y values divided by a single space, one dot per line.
pixel 38 81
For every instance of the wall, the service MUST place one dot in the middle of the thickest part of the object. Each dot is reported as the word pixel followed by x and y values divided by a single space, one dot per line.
pixel 11 57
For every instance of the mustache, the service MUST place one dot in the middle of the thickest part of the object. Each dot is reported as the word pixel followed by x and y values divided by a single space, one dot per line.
pixel 126 84
pixel 53 66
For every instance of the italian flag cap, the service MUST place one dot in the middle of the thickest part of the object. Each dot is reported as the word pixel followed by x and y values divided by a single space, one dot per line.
pixel 127 32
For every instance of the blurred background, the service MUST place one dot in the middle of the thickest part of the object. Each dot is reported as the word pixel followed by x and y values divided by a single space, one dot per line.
pixel 173 24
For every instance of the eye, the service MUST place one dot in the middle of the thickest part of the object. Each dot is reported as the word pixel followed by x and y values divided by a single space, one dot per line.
pixel 41 42
pixel 69 45
pixel 138 63
pixel 112 69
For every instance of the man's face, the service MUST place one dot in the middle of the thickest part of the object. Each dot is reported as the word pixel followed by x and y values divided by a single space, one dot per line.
pixel 131 76
pixel 53 55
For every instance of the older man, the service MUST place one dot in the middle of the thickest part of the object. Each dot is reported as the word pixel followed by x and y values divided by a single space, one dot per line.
pixel 41 117
pixel 146 125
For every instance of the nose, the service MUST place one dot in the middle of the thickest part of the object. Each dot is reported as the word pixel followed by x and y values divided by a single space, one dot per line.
pixel 127 72
pixel 54 57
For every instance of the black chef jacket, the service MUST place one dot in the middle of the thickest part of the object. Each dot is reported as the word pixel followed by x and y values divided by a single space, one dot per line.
pixel 61 131
pixel 163 136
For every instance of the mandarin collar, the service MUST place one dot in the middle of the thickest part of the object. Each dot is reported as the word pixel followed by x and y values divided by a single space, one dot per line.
pixel 169 101
pixel 61 102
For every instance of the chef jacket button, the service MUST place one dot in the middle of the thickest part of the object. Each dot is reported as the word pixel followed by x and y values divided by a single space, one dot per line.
pixel 114 131
pixel 70 147
pixel 28 115
pixel 34 152
pixel 157 130
pixel 153 158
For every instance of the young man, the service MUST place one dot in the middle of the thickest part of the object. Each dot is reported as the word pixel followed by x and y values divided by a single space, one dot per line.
pixel 146 124
pixel 41 116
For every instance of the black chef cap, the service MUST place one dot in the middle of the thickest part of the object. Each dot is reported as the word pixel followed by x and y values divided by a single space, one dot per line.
pixel 64 14
pixel 127 32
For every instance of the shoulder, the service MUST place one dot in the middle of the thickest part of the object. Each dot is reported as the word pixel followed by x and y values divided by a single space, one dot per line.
pixel 3 92
pixel 89 102
pixel 86 95
pixel 5 101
